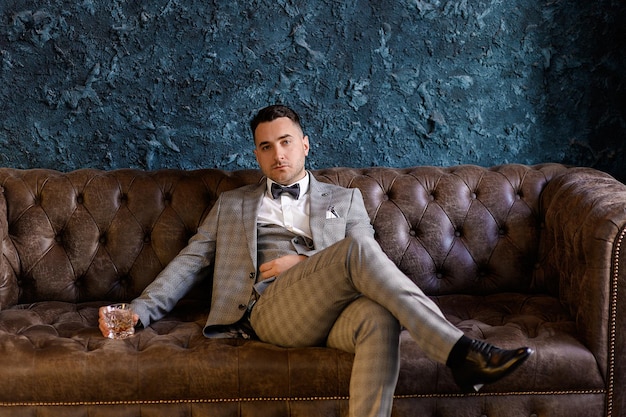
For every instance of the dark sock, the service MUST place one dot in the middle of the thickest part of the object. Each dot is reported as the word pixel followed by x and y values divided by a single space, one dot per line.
pixel 459 352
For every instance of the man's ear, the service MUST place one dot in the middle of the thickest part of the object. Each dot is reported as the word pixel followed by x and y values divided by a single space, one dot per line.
pixel 305 142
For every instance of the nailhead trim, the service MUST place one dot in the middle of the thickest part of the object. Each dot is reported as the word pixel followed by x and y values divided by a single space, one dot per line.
pixel 613 323
pixel 281 399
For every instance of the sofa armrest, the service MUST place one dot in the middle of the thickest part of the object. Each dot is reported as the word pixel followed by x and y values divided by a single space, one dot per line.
pixel 584 219
pixel 9 290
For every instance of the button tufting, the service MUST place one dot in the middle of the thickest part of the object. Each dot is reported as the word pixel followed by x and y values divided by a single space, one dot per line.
pixel 80 199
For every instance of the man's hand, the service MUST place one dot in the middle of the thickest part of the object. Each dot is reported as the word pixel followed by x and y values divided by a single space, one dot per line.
pixel 102 323
pixel 277 266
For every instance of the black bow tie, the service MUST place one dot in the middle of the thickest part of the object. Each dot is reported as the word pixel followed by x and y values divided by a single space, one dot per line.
pixel 277 190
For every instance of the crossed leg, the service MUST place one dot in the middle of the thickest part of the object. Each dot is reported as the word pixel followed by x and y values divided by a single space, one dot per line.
pixel 353 297
pixel 302 305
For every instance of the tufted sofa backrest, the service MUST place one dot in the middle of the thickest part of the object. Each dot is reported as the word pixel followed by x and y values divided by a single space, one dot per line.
pixel 102 235
pixel 462 229
pixel 105 235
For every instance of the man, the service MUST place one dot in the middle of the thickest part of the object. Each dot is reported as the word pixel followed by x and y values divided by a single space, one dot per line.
pixel 305 270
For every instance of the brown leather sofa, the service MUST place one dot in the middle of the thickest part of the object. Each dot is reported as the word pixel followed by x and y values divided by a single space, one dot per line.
pixel 517 255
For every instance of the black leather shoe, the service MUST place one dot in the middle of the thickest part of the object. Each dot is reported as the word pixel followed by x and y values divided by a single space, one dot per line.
pixel 486 363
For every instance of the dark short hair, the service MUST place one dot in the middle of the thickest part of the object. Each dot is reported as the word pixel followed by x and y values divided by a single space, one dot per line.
pixel 271 113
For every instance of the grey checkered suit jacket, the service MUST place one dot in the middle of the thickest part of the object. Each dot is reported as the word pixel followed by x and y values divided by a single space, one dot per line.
pixel 226 242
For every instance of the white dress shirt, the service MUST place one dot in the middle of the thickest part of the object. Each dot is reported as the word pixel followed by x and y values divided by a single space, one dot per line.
pixel 286 211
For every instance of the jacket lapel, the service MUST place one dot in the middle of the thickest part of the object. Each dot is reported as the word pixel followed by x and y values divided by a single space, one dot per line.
pixel 319 201
pixel 250 211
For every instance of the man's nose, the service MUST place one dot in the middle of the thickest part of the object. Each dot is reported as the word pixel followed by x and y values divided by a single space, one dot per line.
pixel 279 155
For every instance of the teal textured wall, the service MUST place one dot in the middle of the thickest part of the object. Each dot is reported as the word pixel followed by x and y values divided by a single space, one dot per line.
pixel 173 83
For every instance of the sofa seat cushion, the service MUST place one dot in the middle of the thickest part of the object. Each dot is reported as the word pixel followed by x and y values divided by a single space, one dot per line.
pixel 53 352
pixel 561 363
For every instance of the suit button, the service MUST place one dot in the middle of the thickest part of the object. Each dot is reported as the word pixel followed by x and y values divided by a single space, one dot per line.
pixel 252 274
pixel 242 306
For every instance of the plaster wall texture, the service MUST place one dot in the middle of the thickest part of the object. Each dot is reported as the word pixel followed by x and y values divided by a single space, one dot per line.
pixel 172 83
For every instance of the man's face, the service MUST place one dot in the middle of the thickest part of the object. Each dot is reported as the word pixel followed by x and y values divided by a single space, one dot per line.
pixel 281 150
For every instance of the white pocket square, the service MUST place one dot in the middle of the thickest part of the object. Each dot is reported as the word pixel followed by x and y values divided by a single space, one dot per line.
pixel 331 213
